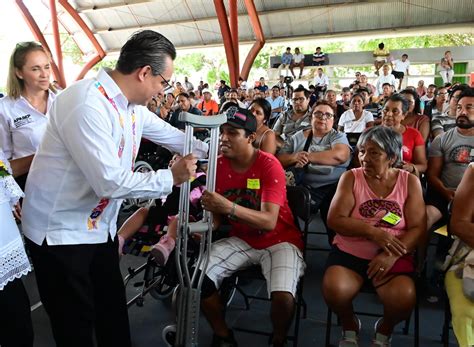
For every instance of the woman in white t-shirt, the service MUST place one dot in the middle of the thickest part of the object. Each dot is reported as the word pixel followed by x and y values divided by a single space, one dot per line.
pixel 298 60
pixel 15 319
pixel 356 119
pixel 24 111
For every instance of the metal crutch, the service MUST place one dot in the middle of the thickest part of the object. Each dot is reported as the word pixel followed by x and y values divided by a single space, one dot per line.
pixel 189 293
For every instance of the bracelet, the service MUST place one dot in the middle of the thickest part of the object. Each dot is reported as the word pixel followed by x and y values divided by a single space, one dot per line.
pixel 231 215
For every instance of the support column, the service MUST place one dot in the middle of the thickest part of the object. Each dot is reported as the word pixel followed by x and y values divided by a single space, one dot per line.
pixel 227 39
pixel 234 31
pixel 38 35
pixel 260 39
pixel 230 37
pixel 100 51
pixel 57 42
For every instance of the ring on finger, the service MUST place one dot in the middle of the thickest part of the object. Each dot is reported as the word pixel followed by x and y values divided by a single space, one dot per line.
pixel 381 269
pixel 388 244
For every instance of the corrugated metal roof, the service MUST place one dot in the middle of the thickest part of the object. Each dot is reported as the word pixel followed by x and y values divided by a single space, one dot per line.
pixel 193 23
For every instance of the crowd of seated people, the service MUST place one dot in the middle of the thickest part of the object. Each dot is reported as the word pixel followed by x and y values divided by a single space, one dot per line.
pixel 312 135
pixel 363 158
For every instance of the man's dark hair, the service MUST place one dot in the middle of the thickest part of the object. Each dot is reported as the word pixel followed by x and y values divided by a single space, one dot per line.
pixel 466 93
pixel 288 48
pixel 186 95
pixel 222 81
pixel 433 85
pixel 399 98
pixel 302 89
pixel 311 86
pixel 461 87
pixel 275 87
pixel 318 48
pixel 405 55
pixel 345 90
pixel 386 84
pixel 192 94
pixel 381 45
pixel 144 48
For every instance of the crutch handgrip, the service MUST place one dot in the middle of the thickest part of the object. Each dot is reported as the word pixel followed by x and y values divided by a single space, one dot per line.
pixel 198 121
pixel 198 227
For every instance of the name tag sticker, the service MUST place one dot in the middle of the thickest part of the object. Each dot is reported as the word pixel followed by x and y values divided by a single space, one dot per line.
pixel 253 183
pixel 472 153
pixel 391 218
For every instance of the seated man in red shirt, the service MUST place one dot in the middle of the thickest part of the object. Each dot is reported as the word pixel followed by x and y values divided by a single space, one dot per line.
pixel 251 196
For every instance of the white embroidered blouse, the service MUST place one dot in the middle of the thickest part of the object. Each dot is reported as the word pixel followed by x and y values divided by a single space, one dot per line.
pixel 13 259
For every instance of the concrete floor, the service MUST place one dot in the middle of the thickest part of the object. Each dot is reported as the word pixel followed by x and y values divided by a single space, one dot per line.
pixel 148 321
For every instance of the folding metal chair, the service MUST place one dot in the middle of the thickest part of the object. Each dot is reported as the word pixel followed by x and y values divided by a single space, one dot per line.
pixel 299 201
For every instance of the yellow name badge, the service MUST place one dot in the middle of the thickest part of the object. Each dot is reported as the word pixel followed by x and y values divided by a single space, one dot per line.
pixel 391 218
pixel 253 183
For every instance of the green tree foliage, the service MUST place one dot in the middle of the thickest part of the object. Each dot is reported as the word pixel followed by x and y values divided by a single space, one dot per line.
pixel 213 66
pixel 424 41
pixel 105 63
pixel 184 64
pixel 71 49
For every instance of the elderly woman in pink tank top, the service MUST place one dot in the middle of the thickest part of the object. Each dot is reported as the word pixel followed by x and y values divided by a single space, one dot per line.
pixel 377 214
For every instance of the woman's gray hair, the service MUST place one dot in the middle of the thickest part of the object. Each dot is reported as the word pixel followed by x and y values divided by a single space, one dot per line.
pixel 144 48
pixel 389 140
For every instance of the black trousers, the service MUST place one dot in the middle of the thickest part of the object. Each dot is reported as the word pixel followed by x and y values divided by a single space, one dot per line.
pixel 82 290
pixel 16 329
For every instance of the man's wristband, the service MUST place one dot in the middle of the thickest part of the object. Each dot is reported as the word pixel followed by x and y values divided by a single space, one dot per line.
pixel 231 215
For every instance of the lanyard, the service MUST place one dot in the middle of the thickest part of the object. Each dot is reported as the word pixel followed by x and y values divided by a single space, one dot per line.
pixel 101 89
pixel 94 218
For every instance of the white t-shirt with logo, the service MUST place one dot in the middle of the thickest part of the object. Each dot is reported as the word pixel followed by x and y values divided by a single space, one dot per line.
pixel 21 126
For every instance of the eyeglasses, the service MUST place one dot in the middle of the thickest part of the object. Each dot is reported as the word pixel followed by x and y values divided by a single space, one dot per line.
pixel 323 115
pixel 300 99
pixel 165 83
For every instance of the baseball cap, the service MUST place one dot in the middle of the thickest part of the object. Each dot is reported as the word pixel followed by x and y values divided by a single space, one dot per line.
pixel 241 118
pixel 206 90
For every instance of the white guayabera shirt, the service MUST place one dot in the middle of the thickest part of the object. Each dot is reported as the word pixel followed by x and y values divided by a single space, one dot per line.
pixel 82 170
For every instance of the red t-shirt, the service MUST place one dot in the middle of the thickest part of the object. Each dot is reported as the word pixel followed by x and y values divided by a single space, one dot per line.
pixel 263 182
pixel 411 139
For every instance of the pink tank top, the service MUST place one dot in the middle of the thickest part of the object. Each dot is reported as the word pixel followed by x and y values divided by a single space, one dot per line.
pixel 371 208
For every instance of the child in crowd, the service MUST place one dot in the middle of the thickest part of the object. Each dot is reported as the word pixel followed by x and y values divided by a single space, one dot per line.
pixel 153 219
